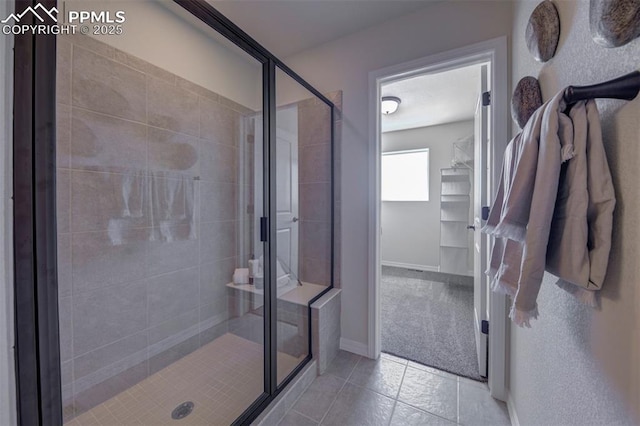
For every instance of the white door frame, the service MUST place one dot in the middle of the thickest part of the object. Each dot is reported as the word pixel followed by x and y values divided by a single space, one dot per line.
pixel 495 52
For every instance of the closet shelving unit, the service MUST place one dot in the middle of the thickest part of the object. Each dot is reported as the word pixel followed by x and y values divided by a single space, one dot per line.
pixel 455 203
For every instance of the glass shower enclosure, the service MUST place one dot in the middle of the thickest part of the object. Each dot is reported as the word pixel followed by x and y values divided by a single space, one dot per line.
pixel 190 200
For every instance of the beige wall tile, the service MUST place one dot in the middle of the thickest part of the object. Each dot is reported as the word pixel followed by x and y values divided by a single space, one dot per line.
pixel 109 354
pixel 144 66
pixel 63 71
pixel 106 86
pixel 101 201
pixel 213 281
pixel 219 201
pixel 315 163
pixel 173 326
pixel 105 143
pixel 65 328
pixel 235 106
pixel 173 152
pixel 66 375
pixel 314 125
pixel 64 265
pixel 197 89
pixel 180 253
pixel 172 108
pixel 218 242
pixel 315 271
pixel 218 162
pixel 63 135
pixel 98 263
pixel 218 123
pixel 117 312
pixel 173 294
pixel 90 44
pixel 63 200
pixel 315 240
pixel 315 201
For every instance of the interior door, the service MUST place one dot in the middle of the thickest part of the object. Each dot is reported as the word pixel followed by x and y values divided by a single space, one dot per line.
pixel 287 192
pixel 480 239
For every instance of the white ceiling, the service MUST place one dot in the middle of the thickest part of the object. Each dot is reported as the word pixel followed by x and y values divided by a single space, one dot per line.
pixel 287 27
pixel 432 99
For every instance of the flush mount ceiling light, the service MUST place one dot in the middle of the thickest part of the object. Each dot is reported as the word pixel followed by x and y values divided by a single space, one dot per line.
pixel 390 104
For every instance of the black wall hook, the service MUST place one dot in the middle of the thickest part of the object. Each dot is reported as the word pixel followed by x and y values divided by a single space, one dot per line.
pixel 625 87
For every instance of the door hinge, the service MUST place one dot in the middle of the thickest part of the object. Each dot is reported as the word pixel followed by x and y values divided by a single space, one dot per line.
pixel 485 212
pixel 485 327
pixel 263 229
pixel 486 98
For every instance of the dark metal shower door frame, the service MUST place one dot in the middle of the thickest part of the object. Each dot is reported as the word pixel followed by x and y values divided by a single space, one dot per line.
pixel 37 347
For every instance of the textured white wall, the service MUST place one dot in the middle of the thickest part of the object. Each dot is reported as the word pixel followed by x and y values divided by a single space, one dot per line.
pixel 578 365
pixel 7 381
pixel 345 64
pixel 411 230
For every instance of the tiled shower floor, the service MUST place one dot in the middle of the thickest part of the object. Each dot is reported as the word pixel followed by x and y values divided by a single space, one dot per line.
pixel 222 379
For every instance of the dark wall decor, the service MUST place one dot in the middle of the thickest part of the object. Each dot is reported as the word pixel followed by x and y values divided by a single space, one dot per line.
pixel 527 97
pixel 543 31
pixel 614 23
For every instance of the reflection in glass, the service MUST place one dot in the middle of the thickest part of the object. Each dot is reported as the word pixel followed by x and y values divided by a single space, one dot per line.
pixel 303 196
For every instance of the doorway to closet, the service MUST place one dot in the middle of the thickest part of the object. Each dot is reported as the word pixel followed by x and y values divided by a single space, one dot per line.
pixel 429 182
pixel 433 169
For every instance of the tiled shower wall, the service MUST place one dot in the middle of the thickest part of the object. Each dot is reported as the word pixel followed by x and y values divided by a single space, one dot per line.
pixel 140 284
pixel 314 153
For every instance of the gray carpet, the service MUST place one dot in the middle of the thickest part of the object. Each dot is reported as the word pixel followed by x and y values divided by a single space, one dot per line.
pixel 429 322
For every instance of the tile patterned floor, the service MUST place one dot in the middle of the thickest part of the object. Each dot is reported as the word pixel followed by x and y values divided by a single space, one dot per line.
pixel 359 391
pixel 222 378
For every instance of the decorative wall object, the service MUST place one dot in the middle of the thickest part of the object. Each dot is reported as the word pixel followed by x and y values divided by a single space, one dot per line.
pixel 614 23
pixel 527 97
pixel 543 31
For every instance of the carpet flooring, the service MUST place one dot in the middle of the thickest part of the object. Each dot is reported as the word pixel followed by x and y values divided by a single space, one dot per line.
pixel 429 322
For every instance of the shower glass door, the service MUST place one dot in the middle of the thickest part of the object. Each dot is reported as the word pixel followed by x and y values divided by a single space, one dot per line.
pixel 159 196
pixel 303 211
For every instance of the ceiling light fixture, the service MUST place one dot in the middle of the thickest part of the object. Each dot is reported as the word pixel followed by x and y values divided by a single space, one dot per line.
pixel 390 104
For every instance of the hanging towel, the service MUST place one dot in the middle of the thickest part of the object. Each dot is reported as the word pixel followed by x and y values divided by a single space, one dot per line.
pixel 522 211
pixel 171 203
pixel 580 240
pixel 527 208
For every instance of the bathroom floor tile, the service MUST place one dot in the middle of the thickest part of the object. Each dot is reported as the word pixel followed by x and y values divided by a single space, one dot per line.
pixel 430 392
pixel 316 400
pixel 359 406
pixel 343 364
pixel 406 415
pixel 477 407
pixel 394 358
pixel 293 418
pixel 382 375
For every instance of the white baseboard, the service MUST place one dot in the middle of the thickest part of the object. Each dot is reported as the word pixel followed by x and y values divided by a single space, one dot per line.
pixel 353 346
pixel 411 266
pixel 513 416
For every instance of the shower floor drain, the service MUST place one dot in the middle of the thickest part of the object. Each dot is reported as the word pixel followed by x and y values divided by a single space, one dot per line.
pixel 182 410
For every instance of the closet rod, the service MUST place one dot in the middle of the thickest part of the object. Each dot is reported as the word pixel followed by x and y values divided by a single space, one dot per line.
pixel 625 87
